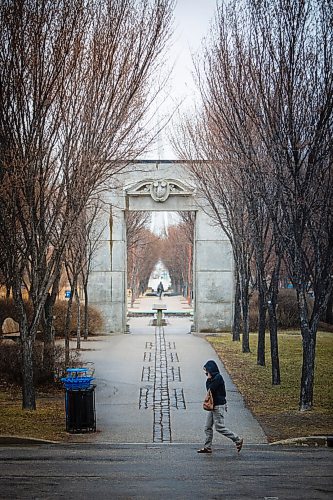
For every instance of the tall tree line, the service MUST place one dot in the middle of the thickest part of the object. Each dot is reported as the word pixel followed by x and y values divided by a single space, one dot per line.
pixel 262 145
pixel 74 91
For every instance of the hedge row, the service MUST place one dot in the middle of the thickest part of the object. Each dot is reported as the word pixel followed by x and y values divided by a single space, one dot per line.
pixel 7 309
pixel 286 311
pixel 11 362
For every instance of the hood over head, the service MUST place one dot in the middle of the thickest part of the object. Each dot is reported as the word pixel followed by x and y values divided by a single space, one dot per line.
pixel 211 367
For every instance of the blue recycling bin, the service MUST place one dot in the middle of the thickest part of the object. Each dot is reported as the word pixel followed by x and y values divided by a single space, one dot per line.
pixel 79 401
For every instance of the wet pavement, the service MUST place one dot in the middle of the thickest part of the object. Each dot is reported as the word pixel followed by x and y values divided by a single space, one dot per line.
pixel 164 471
pixel 150 384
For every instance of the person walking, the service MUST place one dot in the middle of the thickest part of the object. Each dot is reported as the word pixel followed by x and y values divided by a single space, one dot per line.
pixel 215 383
pixel 160 289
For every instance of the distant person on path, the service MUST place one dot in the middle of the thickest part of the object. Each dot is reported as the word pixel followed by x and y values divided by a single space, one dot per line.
pixel 215 417
pixel 160 289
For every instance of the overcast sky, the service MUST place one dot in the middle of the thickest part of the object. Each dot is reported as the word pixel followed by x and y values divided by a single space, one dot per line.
pixel 191 23
pixel 192 20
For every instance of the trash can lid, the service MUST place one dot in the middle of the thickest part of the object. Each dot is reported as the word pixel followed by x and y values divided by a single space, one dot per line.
pixel 76 370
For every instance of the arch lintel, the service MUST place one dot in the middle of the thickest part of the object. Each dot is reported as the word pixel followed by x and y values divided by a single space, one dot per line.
pixel 160 189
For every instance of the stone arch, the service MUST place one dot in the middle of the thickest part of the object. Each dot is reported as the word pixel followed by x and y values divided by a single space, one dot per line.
pixel 161 186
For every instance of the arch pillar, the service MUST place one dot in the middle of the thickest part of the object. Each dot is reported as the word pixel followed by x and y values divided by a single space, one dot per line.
pixel 107 282
pixel 213 276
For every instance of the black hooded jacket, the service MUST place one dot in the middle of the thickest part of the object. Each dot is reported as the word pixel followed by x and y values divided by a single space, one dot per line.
pixel 216 383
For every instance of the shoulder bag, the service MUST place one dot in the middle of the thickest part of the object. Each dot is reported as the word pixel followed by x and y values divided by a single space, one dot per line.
pixel 208 403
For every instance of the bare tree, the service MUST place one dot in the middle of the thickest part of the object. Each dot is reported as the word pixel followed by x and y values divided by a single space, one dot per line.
pixel 188 223
pixel 188 227
pixel 75 260
pixel 90 241
pixel 177 254
pixel 228 209
pixel 138 237
pixel 137 222
pixel 148 256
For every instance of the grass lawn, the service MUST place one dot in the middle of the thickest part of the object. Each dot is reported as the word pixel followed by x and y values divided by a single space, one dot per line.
pixel 276 407
pixel 47 422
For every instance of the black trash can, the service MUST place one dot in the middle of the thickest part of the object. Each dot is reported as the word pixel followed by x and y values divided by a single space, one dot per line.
pixel 79 401
pixel 80 410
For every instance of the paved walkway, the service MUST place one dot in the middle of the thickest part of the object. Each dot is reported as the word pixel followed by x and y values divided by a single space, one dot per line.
pixel 174 303
pixel 150 384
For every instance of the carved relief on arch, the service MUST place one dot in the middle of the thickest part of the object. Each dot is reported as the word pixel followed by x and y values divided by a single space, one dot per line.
pixel 160 189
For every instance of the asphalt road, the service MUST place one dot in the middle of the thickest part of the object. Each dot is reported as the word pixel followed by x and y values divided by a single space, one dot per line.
pixel 164 471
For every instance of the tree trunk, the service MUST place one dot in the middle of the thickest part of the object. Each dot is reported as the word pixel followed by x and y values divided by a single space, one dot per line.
pixel 309 349
pixel 132 297
pixel 236 325
pixel 246 328
pixel 49 341
pixel 245 314
pixel 67 325
pixel 272 296
pixel 49 334
pixel 276 379
pixel 329 310
pixel 78 325
pixel 27 345
pixel 28 387
pixel 262 310
pixel 309 352
pixel 175 285
pixel 86 312
pixel 132 285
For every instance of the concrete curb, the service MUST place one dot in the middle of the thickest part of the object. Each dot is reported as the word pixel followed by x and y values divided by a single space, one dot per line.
pixel 310 441
pixel 306 441
pixel 21 440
